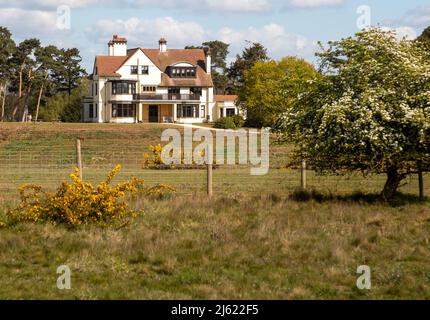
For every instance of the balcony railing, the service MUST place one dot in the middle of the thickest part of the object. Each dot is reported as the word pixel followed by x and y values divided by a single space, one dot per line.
pixel 167 97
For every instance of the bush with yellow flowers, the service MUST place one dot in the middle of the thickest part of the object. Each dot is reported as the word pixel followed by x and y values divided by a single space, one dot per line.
pixel 154 158
pixel 79 202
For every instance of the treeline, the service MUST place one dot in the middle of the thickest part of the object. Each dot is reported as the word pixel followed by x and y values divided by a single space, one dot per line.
pixel 265 87
pixel 39 83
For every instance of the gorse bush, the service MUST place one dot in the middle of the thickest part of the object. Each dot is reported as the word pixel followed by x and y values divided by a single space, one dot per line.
pixel 225 123
pixel 154 158
pixel 79 202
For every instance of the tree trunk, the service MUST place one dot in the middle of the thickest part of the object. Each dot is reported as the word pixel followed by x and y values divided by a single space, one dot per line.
pixel 38 102
pixel 18 102
pixel 27 96
pixel 2 110
pixel 3 102
pixel 392 183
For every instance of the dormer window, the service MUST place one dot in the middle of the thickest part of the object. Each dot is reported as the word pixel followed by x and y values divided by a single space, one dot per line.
pixel 183 72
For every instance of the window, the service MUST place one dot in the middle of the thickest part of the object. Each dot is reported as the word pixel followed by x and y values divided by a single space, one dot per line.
pixel 134 69
pixel 96 111
pixel 183 72
pixel 196 90
pixel 188 111
pixel 230 112
pixel 145 69
pixel 91 111
pixel 174 90
pixel 119 87
pixel 203 111
pixel 96 91
pixel 149 89
pixel 123 110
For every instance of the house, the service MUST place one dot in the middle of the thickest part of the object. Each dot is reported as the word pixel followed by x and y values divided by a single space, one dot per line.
pixel 153 85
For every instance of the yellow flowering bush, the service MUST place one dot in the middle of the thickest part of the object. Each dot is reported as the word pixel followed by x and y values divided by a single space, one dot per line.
pixel 154 158
pixel 79 202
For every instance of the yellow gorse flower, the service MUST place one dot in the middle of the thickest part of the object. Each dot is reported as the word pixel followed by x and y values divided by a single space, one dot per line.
pixel 79 202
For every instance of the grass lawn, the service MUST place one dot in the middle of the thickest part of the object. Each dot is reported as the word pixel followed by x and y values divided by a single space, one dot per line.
pixel 253 240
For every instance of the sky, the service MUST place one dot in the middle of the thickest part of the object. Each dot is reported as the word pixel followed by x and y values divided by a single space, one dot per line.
pixel 289 27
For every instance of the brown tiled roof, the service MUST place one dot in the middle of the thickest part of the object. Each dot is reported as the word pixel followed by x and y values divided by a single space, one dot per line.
pixel 193 56
pixel 108 65
pixel 222 98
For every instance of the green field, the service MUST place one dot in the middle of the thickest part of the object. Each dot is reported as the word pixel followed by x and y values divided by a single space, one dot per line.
pixel 253 240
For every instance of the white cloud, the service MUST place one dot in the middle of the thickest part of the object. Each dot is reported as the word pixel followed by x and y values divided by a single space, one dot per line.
pixel 24 21
pixel 49 4
pixel 147 32
pixel 273 36
pixel 239 5
pixel 199 5
pixel 403 32
pixel 418 17
pixel 314 3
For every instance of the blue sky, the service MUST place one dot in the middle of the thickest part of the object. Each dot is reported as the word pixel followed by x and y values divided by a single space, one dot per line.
pixel 290 27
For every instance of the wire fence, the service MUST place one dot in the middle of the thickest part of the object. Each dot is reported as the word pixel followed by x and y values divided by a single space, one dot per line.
pixel 48 165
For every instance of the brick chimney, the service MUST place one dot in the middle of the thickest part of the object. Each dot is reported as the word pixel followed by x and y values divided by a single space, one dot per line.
pixel 163 45
pixel 117 46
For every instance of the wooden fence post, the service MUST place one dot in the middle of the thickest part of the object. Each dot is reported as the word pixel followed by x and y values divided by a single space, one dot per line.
pixel 209 179
pixel 79 157
pixel 303 175
pixel 420 180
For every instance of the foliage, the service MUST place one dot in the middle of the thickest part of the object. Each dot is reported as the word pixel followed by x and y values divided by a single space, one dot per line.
pixel 154 158
pixel 271 87
pixel 219 53
pixel 425 36
pixel 225 123
pixel 238 120
pixel 79 202
pixel 253 53
pixel 34 74
pixel 62 107
pixel 371 112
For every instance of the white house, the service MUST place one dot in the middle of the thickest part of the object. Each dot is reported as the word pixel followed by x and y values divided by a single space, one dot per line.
pixel 153 85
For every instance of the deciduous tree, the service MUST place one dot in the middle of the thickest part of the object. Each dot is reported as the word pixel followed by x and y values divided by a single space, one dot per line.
pixel 371 111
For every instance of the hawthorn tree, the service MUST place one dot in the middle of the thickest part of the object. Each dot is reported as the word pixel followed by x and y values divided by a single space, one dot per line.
pixel 369 112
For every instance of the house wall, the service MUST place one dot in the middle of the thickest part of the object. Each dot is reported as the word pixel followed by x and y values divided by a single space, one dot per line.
pixel 103 96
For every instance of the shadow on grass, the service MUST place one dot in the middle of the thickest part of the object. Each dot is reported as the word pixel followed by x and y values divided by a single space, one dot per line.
pixel 401 199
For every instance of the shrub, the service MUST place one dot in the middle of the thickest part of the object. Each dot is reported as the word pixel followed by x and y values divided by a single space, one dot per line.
pixel 79 202
pixel 225 123
pixel 154 158
pixel 238 121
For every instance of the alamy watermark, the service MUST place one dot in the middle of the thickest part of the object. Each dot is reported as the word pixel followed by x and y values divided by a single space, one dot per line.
pixel 64 281
pixel 219 148
pixel 63 17
pixel 364 281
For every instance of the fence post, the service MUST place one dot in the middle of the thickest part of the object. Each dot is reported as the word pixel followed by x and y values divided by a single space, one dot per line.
pixel 420 180
pixel 209 179
pixel 303 175
pixel 79 157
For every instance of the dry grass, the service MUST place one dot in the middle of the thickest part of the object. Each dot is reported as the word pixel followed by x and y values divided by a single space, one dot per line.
pixel 253 240
pixel 242 247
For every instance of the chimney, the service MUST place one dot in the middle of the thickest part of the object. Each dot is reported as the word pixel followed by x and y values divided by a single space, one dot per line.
pixel 208 61
pixel 117 46
pixel 163 45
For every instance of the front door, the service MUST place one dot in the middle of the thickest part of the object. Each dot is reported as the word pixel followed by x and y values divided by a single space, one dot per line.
pixel 153 113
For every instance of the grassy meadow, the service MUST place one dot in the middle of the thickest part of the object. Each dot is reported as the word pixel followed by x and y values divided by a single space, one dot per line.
pixel 256 239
